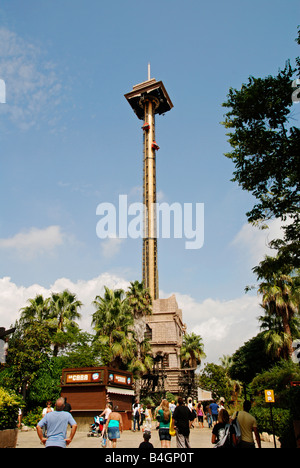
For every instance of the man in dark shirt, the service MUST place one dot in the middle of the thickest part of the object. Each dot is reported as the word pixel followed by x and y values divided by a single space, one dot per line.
pixel 183 418
pixel 67 407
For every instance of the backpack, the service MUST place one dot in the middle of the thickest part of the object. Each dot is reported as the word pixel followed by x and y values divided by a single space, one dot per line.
pixel 237 428
pixel 225 441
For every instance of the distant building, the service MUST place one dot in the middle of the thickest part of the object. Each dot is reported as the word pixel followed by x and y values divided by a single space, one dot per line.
pixel 166 330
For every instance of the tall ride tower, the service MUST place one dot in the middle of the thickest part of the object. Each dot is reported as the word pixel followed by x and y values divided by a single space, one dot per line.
pixel 147 99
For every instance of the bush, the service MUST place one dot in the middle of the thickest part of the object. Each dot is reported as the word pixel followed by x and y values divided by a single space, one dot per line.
pixel 286 405
pixel 33 417
pixel 170 397
pixel 10 404
pixel 283 424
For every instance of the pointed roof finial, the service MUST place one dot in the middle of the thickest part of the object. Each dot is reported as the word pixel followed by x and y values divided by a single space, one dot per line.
pixel 149 73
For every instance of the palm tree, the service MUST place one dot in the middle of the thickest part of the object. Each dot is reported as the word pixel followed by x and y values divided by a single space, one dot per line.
pixel 112 322
pixel 38 310
pixel 226 362
pixel 234 385
pixel 192 351
pixel 140 305
pixel 64 310
pixel 280 300
pixel 277 342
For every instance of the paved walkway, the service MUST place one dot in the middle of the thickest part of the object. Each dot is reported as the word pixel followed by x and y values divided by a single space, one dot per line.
pixel 199 438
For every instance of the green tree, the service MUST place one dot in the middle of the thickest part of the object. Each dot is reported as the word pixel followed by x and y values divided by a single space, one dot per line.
pixel 140 305
pixel 192 350
pixel 113 323
pixel 59 313
pixel 249 360
pixel 38 310
pixel 280 300
pixel 265 152
pixel 63 312
pixel 29 348
pixel 214 379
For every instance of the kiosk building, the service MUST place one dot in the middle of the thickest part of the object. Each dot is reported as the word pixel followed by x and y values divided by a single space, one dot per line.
pixel 89 389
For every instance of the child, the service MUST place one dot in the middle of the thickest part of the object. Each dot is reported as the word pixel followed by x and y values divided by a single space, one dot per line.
pixel 146 444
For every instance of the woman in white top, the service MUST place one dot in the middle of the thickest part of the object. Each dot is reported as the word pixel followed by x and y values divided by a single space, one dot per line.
pixel 46 410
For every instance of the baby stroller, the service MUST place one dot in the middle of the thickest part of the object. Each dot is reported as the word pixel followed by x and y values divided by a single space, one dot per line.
pixel 96 428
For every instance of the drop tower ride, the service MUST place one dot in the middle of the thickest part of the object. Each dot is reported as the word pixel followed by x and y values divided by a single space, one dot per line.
pixel 148 99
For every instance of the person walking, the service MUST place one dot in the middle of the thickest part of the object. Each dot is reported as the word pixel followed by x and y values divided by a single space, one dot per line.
pixel 142 415
pixel 220 429
pixel 183 418
pixel 200 414
pixel 214 411
pixel 148 420
pixel 136 416
pixel 57 423
pixel 105 413
pixel 164 414
pixel 248 426
pixel 208 417
pixel 114 426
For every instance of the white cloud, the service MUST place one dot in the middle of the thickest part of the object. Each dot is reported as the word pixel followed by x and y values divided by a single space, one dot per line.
pixel 253 242
pixel 28 244
pixel 223 325
pixel 33 89
pixel 14 297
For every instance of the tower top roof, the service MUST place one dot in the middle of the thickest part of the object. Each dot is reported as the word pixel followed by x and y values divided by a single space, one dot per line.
pixel 149 89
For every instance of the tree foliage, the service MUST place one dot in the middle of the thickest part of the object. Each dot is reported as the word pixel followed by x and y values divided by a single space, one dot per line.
pixel 265 149
pixel 214 379
pixel 59 312
pixel 192 350
pixel 281 304
pixel 250 359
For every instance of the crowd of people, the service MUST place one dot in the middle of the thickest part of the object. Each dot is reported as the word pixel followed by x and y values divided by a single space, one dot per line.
pixel 170 419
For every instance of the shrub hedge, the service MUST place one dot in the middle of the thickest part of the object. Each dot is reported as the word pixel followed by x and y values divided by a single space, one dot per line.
pixel 10 403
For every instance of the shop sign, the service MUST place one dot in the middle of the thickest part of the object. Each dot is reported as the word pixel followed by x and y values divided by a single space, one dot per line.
pixel 119 379
pixel 84 377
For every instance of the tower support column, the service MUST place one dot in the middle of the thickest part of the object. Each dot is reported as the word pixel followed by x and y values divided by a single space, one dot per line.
pixel 150 271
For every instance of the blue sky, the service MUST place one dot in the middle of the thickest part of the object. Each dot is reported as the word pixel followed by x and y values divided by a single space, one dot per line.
pixel 69 141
